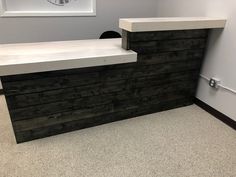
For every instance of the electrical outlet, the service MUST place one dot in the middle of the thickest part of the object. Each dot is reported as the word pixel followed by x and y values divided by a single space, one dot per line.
pixel 214 83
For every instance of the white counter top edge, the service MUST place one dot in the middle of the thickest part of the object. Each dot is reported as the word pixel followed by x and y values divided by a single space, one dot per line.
pixel 66 64
pixel 51 56
pixel 168 24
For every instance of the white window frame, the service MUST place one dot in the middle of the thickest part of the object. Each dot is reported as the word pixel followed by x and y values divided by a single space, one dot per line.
pixel 5 13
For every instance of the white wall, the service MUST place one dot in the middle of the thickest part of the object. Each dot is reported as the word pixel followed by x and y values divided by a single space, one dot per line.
pixel 220 58
pixel 175 8
pixel 14 30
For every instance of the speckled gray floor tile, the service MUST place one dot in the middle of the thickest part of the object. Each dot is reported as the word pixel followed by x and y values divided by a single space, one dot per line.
pixel 185 142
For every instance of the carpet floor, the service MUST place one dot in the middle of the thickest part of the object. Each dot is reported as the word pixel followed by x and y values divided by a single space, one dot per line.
pixel 185 142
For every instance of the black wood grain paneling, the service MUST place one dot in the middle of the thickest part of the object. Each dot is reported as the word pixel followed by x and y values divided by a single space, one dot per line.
pixel 149 47
pixel 77 124
pixel 166 35
pixel 165 77
pixel 52 96
pixel 1 92
pixel 93 101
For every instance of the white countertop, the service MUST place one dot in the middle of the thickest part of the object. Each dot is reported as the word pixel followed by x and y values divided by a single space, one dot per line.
pixel 49 56
pixel 174 23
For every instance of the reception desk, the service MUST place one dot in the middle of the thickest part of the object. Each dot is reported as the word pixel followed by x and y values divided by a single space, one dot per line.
pixel 57 87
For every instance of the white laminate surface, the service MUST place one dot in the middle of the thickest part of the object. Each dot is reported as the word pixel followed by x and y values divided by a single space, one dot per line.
pixel 174 23
pixel 49 56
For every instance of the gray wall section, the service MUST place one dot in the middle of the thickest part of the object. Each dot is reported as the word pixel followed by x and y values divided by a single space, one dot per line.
pixel 37 29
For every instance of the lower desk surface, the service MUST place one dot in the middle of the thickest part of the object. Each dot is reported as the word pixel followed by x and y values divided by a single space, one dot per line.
pixel 50 56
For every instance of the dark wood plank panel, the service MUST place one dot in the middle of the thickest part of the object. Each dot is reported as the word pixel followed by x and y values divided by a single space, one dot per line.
pixel 166 57
pixel 93 101
pixel 65 81
pixel 165 77
pixel 31 99
pixel 27 100
pixel 37 133
pixel 94 111
pixel 29 86
pixel 150 70
pixel 1 92
pixel 166 35
pixel 150 47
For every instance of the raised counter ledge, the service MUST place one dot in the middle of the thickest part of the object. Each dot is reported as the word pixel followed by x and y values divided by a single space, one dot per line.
pixel 50 56
pixel 168 24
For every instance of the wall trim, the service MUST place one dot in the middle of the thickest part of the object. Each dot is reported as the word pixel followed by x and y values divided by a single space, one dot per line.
pixel 227 120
